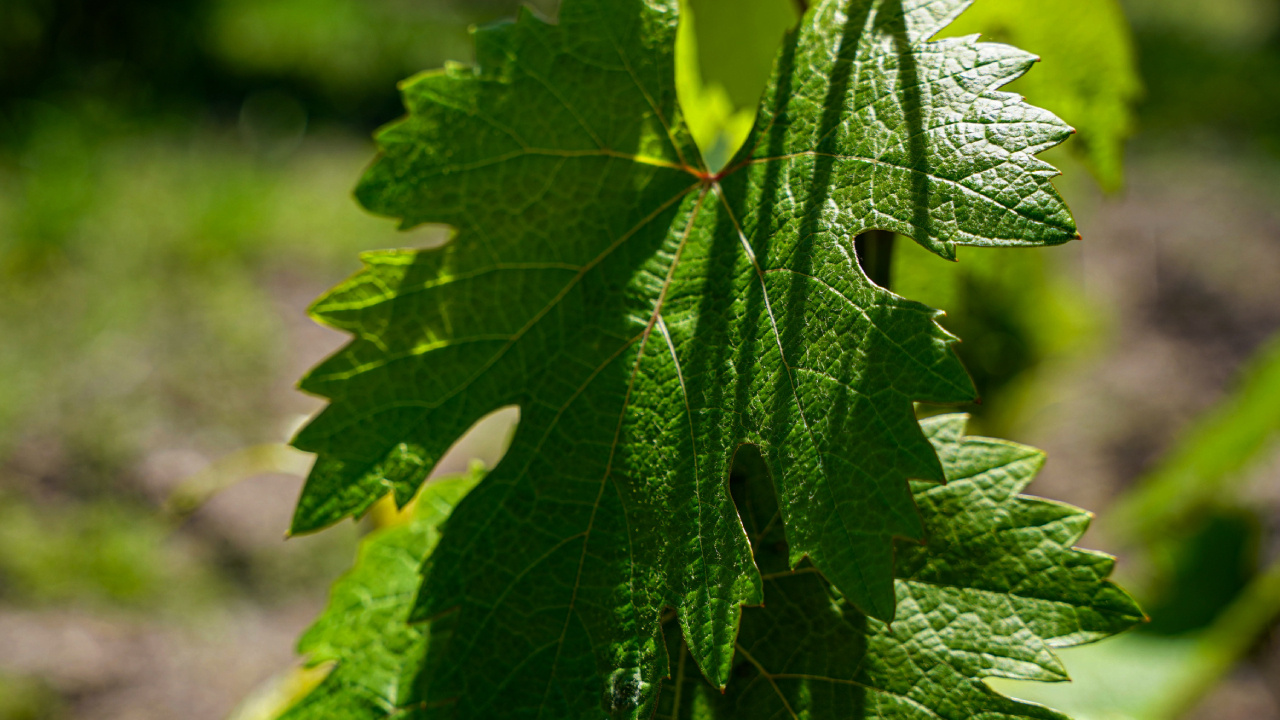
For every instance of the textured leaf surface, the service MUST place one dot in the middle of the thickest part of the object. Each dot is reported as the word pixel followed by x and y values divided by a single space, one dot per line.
pixel 365 630
pixel 1089 73
pixel 648 318
pixel 997 588
pixel 993 593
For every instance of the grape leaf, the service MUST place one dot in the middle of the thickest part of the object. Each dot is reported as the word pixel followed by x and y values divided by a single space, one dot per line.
pixel 649 317
pixel 997 588
pixel 1089 74
pixel 365 629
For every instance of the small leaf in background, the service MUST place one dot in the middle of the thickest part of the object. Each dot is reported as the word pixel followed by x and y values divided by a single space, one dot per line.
pixel 725 50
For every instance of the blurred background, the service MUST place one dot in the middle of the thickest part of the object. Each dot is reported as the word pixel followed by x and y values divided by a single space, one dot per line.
pixel 175 189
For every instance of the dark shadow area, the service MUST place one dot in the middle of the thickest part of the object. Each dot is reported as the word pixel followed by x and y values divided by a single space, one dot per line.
pixel 893 18
pixel 196 59
pixel 757 502
pixel 874 249
pixel 1204 569
pixel 801 607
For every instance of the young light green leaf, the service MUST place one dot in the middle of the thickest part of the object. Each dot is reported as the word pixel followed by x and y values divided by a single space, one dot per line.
pixel 724 55
pixel 1089 74
pixel 993 592
pixel 649 317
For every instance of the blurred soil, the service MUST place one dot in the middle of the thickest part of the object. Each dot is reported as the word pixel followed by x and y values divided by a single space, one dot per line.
pixel 1186 263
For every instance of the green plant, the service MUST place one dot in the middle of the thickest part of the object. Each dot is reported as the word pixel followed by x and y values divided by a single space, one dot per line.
pixel 664 326
pixel 1212 602
pixel 1088 75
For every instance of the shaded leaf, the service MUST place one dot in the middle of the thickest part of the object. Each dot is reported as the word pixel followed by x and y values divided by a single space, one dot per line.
pixel 994 591
pixel 364 632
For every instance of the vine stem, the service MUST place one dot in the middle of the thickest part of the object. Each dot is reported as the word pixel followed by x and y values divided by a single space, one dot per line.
pixel 875 254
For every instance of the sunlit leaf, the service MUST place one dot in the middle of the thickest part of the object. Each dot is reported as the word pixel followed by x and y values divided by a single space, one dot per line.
pixel 649 317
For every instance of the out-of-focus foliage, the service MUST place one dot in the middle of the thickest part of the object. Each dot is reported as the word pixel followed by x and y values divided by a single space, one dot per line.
pixel 1200 472
pixel 345 49
pixel 1087 73
pixel 29 699
pixel 144 273
pixel 148 258
pixel 340 58
pixel 1246 23
pixel 1219 649
pixel 1188 515
pixel 100 552
pixel 1198 571
pixel 1210 66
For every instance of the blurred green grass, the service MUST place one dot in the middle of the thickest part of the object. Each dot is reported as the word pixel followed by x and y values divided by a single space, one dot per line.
pixel 174 187
pixel 148 310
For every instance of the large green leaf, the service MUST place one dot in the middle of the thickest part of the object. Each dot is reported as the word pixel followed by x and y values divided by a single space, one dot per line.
pixel 997 588
pixel 649 317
